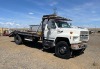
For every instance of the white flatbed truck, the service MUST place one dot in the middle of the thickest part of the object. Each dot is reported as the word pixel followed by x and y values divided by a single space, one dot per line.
pixel 55 31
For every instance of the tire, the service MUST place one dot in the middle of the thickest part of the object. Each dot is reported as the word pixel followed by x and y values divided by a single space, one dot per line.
pixel 62 50
pixel 18 39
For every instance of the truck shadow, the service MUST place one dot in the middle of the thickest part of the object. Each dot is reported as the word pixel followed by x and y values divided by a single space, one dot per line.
pixel 76 53
pixel 39 46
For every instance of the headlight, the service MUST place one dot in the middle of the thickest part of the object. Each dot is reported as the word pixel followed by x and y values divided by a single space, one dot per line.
pixel 75 38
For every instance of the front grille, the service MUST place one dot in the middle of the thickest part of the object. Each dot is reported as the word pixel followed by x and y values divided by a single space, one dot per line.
pixel 84 35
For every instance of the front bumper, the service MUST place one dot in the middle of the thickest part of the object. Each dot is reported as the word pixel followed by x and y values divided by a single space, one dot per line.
pixel 79 46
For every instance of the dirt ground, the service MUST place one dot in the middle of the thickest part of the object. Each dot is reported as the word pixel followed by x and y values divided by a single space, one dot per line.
pixel 30 56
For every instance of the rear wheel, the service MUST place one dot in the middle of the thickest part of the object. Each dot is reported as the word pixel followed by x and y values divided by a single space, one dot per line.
pixel 18 39
pixel 62 50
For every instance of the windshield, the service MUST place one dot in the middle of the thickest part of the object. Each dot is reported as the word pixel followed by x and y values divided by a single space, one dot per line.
pixel 63 24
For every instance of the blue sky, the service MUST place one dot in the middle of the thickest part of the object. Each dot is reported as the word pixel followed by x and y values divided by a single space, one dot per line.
pixel 22 13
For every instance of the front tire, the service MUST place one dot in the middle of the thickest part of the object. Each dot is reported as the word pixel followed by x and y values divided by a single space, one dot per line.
pixel 62 50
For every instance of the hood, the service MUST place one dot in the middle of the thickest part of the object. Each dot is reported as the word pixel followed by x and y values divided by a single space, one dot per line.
pixel 74 30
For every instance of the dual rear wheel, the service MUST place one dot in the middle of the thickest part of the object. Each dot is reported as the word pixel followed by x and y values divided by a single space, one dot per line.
pixel 18 39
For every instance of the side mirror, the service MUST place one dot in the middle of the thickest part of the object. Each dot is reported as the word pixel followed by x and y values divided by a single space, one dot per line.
pixel 70 24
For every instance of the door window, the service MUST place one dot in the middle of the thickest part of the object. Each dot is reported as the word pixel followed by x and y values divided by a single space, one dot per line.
pixel 53 26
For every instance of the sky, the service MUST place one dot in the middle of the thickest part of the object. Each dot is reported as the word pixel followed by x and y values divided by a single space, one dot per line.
pixel 22 13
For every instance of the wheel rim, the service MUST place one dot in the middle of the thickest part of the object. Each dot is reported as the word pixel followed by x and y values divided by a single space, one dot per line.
pixel 62 50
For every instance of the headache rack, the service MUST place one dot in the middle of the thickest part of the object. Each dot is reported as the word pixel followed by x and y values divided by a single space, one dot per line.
pixel 54 16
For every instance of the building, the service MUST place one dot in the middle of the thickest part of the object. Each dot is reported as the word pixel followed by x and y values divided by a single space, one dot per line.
pixel 2 30
pixel 6 31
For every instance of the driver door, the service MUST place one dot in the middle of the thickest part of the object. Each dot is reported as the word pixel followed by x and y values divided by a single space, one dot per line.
pixel 51 30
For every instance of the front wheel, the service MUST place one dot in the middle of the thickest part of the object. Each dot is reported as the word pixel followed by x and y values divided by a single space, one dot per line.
pixel 62 50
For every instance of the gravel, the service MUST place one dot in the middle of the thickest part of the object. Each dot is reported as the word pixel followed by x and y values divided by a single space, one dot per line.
pixel 30 56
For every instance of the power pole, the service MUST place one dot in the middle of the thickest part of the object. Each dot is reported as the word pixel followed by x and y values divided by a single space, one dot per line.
pixel 55 11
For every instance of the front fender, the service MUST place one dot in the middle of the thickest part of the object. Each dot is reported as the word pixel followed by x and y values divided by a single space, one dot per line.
pixel 69 36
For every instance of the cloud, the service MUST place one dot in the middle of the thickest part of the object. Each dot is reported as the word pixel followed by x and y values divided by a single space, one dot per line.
pixel 95 19
pixel 31 13
pixel 36 2
pixel 93 11
pixel 83 15
pixel 17 24
pixel 85 12
pixel 2 19
pixel 86 9
pixel 10 24
pixel 44 3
